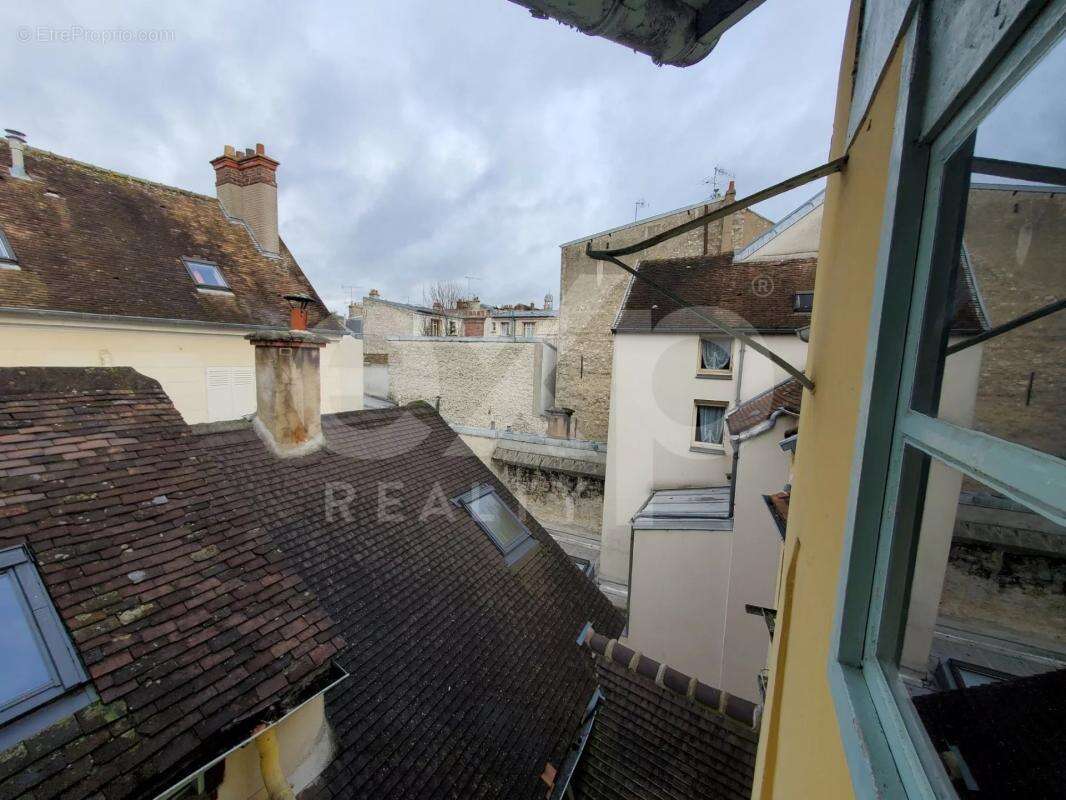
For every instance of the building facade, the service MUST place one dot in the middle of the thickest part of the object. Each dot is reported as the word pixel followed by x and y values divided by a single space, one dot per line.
pixel 592 293
pixel 101 269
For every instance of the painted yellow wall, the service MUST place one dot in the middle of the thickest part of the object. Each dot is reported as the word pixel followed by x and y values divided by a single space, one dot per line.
pixel 177 358
pixel 800 748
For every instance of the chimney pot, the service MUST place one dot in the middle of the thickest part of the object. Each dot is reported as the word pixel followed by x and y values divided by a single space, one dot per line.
pixel 288 391
pixel 16 140
pixel 229 151
pixel 260 149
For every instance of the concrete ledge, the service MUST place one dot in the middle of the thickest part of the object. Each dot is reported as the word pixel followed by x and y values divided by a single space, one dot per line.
pixel 531 438
pixel 531 456
pixel 471 339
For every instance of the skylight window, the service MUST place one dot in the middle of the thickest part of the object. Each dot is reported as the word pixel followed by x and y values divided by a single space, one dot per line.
pixel 39 662
pixel 7 254
pixel 500 523
pixel 206 275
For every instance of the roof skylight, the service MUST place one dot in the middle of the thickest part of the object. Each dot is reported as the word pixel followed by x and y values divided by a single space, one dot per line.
pixel 500 523
pixel 206 275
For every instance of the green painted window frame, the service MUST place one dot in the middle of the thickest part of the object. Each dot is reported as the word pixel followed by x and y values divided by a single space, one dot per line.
pixel 888 752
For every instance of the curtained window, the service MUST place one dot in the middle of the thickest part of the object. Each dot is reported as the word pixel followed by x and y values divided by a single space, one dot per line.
pixel 709 424
pixel 714 355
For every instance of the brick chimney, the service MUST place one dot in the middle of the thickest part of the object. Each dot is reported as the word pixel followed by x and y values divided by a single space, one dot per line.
pixel 288 391
pixel 247 189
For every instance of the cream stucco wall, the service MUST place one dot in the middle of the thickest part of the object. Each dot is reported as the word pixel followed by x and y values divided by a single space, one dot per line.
pixel 176 357
pixel 680 587
pixel 305 746
pixel 654 386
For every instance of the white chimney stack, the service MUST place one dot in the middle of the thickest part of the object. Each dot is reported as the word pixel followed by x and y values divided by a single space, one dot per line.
pixel 16 140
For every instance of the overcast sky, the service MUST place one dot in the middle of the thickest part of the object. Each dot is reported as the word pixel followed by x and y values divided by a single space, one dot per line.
pixel 428 139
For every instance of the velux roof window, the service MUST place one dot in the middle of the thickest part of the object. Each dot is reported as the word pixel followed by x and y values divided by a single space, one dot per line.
pixel 206 275
pixel 39 663
pixel 7 254
pixel 500 523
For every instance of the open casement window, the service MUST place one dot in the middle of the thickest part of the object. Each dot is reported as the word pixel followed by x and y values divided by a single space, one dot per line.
pixel 38 663
pixel 206 275
pixel 714 357
pixel 956 562
pixel 708 425
pixel 7 253
pixel 501 524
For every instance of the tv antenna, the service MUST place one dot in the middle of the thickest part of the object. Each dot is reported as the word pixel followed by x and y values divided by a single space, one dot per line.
pixel 351 291
pixel 715 181
pixel 469 291
pixel 639 204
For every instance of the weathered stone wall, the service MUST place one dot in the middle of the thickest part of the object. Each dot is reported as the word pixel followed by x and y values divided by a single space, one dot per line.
pixel 384 319
pixel 592 293
pixel 481 382
pixel 1007 569
pixel 558 501
pixel 1016 240
pixel 562 487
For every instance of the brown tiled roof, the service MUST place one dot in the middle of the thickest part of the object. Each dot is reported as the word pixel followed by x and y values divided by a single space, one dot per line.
pixel 735 293
pixel 756 295
pixel 187 616
pixel 205 586
pixel 1009 734
pixel 660 734
pixel 785 396
pixel 92 241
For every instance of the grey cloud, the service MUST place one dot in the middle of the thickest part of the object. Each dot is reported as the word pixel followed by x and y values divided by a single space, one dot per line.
pixel 427 140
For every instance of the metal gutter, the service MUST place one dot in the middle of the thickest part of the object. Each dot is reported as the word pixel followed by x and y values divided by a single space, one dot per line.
pixel 120 319
pixel 569 767
pixel 191 776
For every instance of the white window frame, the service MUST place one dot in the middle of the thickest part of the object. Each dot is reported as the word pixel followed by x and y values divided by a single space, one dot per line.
pixel 888 752
pixel 726 344
pixel 696 444
pixel 8 258
pixel 527 329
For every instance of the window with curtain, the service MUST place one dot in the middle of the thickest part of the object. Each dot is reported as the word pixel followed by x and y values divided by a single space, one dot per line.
pixel 714 355
pixel 709 423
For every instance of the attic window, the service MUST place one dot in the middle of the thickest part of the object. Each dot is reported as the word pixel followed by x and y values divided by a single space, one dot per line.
pixel 7 254
pixel 39 663
pixel 501 524
pixel 206 275
pixel 803 302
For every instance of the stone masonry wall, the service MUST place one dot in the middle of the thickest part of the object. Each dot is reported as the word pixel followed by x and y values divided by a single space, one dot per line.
pixel 592 292
pixel 480 382
pixel 381 320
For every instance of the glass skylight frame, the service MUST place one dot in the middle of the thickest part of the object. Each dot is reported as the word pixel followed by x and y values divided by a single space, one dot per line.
pixel 40 615
pixel 7 252
pixel 512 552
pixel 191 263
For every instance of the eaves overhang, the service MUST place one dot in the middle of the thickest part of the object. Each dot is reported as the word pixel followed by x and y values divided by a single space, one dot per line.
pixel 675 32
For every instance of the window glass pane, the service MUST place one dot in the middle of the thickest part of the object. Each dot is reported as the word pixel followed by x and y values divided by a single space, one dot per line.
pixel 1001 258
pixel 494 515
pixel 714 355
pixel 983 623
pixel 206 274
pixel 709 424
pixel 23 666
pixel 5 249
